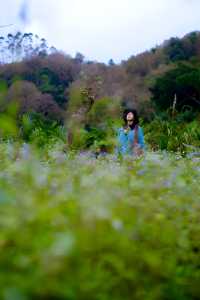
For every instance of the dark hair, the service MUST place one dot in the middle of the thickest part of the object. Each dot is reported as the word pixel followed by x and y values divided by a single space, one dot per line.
pixel 136 118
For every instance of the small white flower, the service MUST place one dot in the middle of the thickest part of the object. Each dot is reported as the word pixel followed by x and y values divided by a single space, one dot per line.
pixel 117 224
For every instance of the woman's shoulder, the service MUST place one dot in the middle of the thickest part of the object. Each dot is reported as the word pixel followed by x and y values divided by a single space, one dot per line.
pixel 139 127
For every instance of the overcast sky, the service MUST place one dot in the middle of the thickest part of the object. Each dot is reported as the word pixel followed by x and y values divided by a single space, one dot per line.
pixel 102 29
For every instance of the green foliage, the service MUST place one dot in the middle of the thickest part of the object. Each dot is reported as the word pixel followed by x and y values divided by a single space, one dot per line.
pixel 91 121
pixel 8 123
pixel 48 82
pixel 16 78
pixel 172 135
pixel 103 111
pixel 182 49
pixel 102 139
pixel 184 82
pixel 80 139
pixel 73 227
pixel 75 100
pixel 176 51
pixel 37 130
pixel 3 86
pixel 3 92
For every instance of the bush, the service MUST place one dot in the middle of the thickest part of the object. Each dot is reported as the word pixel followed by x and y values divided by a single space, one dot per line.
pixel 172 135
pixel 103 111
pixel 40 131
pixel 182 81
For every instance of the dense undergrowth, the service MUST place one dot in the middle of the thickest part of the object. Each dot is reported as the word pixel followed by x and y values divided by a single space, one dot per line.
pixel 76 227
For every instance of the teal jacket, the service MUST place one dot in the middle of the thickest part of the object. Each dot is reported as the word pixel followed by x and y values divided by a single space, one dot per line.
pixel 125 140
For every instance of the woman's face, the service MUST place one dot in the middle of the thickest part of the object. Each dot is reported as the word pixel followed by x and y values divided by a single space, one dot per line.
pixel 130 118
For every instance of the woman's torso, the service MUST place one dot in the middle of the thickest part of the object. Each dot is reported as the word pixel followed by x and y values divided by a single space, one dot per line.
pixel 127 139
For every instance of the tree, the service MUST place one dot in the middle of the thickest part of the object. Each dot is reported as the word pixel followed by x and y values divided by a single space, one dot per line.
pixel 29 99
pixel 79 58
pixel 16 47
pixel 111 62
pixel 184 82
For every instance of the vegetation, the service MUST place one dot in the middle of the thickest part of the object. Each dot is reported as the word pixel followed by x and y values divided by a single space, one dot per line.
pixel 77 221
pixel 74 227
pixel 182 82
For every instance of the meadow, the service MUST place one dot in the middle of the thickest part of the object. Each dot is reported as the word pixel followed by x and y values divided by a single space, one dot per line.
pixel 76 227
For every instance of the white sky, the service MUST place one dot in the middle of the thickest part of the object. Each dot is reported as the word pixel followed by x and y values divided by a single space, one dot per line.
pixel 103 29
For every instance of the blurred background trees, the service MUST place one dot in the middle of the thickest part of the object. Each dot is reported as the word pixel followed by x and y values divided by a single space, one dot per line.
pixel 43 80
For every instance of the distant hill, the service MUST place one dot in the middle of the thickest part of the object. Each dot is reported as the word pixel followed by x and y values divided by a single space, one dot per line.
pixel 41 78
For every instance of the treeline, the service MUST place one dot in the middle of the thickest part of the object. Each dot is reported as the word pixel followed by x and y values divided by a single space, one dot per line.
pixel 16 47
pixel 39 83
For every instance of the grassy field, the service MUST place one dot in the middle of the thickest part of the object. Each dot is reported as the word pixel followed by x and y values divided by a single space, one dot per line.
pixel 79 228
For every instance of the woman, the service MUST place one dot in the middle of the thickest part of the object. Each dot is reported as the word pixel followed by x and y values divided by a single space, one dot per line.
pixel 130 136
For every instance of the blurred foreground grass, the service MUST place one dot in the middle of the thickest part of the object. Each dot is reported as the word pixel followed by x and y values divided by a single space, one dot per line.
pixel 75 227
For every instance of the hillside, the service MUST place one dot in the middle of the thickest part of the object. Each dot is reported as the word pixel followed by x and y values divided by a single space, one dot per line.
pixel 46 76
